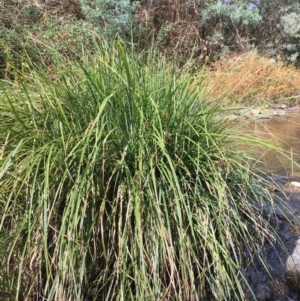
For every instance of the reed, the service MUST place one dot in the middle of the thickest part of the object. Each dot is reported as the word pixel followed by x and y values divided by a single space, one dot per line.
pixel 119 181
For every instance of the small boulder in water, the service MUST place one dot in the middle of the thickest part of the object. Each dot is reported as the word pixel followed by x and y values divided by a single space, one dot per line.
pixel 292 274
pixel 292 186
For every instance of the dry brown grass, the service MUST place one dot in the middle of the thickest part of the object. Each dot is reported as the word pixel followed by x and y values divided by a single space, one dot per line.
pixel 252 79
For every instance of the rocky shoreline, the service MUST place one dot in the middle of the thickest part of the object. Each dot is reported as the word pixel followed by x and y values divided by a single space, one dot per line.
pixel 279 280
pixel 267 111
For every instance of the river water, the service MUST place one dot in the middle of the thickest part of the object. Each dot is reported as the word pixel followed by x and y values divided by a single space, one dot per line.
pixel 284 132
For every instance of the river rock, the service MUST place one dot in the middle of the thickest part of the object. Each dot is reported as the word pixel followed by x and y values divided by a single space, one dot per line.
pixel 292 274
pixel 278 106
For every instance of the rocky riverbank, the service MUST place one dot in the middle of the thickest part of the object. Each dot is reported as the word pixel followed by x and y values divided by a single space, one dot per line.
pixel 279 279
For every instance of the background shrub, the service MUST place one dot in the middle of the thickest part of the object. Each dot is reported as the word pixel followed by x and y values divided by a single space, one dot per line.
pixel 115 16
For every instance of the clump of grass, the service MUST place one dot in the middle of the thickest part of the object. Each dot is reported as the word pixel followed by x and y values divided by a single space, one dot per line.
pixel 119 182
pixel 252 79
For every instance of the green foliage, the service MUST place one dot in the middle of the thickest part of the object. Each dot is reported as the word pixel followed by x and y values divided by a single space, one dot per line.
pixel 115 16
pixel 120 182
pixel 290 28
pixel 234 23
pixel 278 33
pixel 164 32
pixel 238 14
pixel 202 29
pixel 35 27
pixel 215 26
pixel 11 51
pixel 67 37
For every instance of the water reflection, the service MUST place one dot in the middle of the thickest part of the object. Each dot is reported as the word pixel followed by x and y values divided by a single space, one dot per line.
pixel 284 131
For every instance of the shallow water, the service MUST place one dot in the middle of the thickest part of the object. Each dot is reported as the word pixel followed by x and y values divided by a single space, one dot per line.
pixel 283 167
pixel 284 131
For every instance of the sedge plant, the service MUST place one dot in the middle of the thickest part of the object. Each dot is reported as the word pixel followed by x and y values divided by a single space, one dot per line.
pixel 118 181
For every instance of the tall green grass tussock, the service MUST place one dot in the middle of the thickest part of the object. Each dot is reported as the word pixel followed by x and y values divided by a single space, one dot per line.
pixel 118 181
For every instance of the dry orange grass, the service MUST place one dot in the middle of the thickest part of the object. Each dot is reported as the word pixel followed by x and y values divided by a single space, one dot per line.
pixel 253 79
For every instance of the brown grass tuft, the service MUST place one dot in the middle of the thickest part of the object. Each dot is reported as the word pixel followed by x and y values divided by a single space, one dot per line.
pixel 252 79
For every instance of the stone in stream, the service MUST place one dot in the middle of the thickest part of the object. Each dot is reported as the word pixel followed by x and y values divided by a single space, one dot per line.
pixel 292 274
